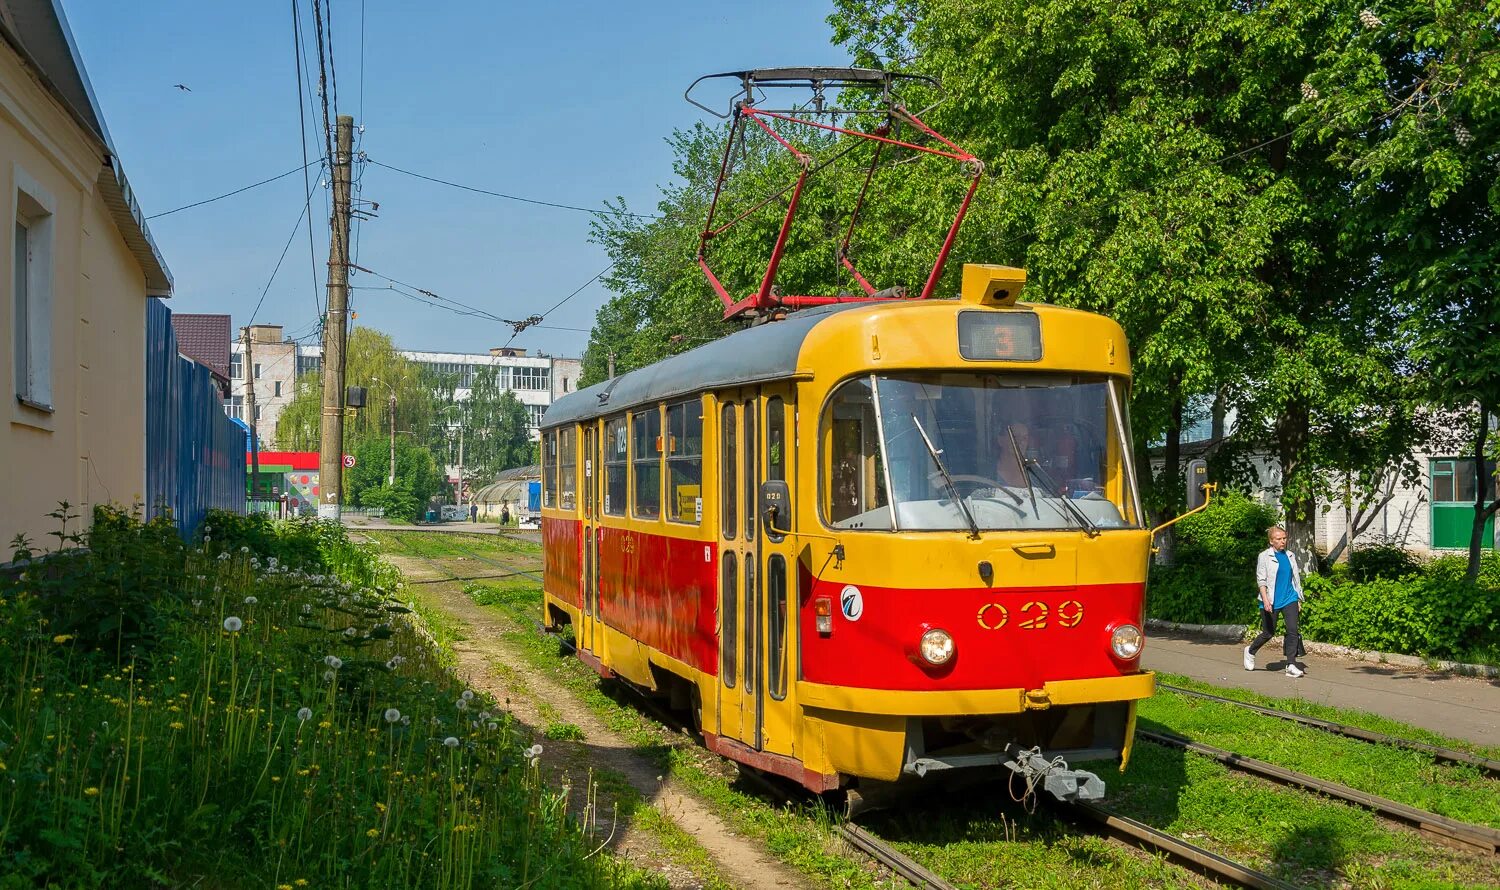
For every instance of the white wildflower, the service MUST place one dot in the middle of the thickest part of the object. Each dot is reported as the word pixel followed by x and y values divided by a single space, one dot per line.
pixel 244 549
pixel 1309 92
pixel 406 720
pixel 1369 19
pixel 233 624
pixel 392 715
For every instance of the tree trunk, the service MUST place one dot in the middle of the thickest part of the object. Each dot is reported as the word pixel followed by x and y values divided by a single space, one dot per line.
pixel 1297 501
pixel 1171 481
pixel 1483 485
pixel 1221 409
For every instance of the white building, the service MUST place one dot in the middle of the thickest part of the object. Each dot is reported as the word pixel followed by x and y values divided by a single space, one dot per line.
pixel 277 363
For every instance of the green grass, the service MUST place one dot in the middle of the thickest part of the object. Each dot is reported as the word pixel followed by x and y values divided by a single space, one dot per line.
pixel 1459 792
pixel 1361 719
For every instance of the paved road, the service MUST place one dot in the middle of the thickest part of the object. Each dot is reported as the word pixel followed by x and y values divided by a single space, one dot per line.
pixel 1459 707
pixel 469 528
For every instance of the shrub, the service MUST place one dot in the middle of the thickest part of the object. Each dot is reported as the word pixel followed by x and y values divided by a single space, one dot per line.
pixel 1214 576
pixel 1382 561
pixel 1419 614
pixel 1454 566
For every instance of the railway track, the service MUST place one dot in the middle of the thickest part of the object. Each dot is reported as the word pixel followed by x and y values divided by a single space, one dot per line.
pixel 1437 752
pixel 1464 835
pixel 1195 857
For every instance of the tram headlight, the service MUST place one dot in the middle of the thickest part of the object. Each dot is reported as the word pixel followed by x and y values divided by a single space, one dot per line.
pixel 1126 641
pixel 936 647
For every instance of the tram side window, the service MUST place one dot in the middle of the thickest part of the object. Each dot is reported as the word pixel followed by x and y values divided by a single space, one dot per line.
pixel 729 619
pixel 775 439
pixel 728 490
pixel 549 471
pixel 616 466
pixel 684 446
pixel 567 463
pixel 854 469
pixel 646 450
pixel 752 468
pixel 776 636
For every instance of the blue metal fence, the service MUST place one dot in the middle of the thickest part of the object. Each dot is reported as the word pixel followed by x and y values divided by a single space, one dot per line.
pixel 195 454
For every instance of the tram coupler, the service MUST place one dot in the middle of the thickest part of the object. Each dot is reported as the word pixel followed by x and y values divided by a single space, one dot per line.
pixel 1053 776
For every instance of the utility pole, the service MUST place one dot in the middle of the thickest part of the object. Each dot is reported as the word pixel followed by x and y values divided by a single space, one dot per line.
pixel 331 445
pixel 460 497
pixel 247 370
pixel 611 366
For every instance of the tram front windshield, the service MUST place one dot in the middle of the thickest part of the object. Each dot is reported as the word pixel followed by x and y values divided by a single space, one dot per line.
pixel 971 451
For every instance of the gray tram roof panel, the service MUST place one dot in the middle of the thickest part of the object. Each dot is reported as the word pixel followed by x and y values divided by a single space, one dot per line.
pixel 753 355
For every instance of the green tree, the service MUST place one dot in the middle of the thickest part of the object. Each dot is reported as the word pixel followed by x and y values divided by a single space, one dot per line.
pixel 1408 103
pixel 368 483
pixel 497 435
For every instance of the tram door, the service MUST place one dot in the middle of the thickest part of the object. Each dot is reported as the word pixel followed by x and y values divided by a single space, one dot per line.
pixel 592 469
pixel 755 573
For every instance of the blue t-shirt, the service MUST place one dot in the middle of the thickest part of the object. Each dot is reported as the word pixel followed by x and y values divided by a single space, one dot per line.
pixel 1285 594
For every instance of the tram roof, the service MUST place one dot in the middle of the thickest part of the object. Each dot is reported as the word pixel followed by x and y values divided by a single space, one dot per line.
pixel 753 355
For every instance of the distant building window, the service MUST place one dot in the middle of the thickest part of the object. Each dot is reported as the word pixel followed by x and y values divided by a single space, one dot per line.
pixel 276 388
pixel 235 407
pixel 536 412
pixel 257 370
pixel 309 364
pixel 531 379
pixel 565 384
pixel 257 414
pixel 32 293
pixel 236 366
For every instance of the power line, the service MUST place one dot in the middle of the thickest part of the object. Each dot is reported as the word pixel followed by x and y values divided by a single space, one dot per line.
pixel 301 214
pixel 228 194
pixel 302 123
pixel 476 189
pixel 576 292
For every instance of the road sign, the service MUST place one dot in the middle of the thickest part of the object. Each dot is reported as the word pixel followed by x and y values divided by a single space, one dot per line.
pixel 349 461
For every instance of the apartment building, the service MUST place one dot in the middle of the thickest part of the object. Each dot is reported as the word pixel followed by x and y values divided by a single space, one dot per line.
pixel 277 362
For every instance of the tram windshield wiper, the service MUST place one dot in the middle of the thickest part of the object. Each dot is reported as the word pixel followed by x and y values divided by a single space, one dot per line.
pixel 1021 462
pixel 952 488
pixel 1088 525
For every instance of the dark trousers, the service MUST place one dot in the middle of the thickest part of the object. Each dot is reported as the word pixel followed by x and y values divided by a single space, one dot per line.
pixel 1291 643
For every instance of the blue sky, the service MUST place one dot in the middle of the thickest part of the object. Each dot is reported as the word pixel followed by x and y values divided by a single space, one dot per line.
pixel 564 102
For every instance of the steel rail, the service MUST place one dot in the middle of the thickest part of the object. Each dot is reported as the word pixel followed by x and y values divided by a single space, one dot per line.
pixel 892 858
pixel 1450 755
pixel 1463 834
pixel 1205 860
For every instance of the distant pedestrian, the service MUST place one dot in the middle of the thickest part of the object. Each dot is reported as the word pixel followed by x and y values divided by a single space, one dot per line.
pixel 473 512
pixel 1280 585
pixel 505 514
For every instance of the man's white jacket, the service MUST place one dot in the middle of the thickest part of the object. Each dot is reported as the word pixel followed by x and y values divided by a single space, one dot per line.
pixel 1266 569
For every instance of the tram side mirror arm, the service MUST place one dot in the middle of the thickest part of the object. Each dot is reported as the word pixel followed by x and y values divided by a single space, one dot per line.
pixel 776 509
pixel 1200 492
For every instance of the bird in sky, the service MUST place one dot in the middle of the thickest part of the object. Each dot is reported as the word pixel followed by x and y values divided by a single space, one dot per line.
pixel 184 87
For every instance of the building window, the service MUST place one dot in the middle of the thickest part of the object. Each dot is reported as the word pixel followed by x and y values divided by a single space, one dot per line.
pixel 236 406
pixel 616 466
pixel 684 447
pixel 32 293
pixel 309 364
pixel 236 365
pixel 257 413
pixel 565 384
pixel 536 414
pixel 531 379
pixel 257 370
pixel 276 388
pixel 645 426
pixel 1454 489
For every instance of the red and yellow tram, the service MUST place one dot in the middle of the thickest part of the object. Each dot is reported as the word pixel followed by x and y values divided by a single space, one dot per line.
pixel 870 542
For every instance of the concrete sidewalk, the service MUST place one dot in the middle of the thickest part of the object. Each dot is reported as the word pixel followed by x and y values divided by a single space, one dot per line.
pixel 1460 707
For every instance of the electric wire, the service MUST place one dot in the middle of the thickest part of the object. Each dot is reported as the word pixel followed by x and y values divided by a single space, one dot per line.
pixel 312 255
pixel 508 197
pixel 229 194
pixel 301 215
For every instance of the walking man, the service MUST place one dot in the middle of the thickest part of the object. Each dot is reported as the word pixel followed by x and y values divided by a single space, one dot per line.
pixel 1280 593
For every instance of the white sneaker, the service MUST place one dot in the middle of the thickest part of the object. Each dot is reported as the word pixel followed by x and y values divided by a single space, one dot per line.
pixel 1249 659
pixel 1293 671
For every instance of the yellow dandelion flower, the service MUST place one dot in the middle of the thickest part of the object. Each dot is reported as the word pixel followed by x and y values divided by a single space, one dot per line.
pixel 325 725
pixel 283 887
pixel 300 882
pixel 374 832
pixel 62 638
pixel 379 807
pixel 175 724
pixel 275 779
pixel 91 792
pixel 2 766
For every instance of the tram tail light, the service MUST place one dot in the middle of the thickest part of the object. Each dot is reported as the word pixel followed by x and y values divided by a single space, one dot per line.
pixel 823 615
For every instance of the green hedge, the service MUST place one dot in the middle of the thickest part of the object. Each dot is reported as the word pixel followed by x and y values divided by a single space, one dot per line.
pixel 1213 580
pixel 1430 613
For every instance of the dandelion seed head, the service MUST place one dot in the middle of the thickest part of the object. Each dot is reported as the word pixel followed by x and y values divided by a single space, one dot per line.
pixel 250 600
pixel 462 704
pixel 328 676
pixel 350 631
pixel 392 715
pixel 468 695
pixel 233 624
pixel 244 549
pixel 451 742
pixel 304 714
pixel 333 661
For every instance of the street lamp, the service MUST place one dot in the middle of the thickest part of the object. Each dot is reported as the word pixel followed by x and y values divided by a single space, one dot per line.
pixel 458 496
pixel 392 390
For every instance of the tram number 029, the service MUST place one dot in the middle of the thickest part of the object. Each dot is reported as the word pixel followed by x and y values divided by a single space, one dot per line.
pixel 1033 615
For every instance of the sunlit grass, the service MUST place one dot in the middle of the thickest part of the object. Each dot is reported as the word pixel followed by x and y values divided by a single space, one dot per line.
pixel 293 727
